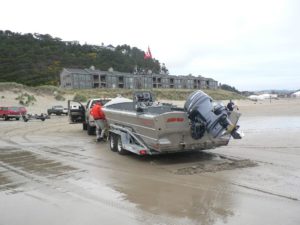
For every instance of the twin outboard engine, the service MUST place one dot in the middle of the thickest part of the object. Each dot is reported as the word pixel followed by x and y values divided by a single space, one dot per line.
pixel 206 117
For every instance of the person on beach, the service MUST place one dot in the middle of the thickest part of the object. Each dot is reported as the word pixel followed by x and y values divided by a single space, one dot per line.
pixel 231 106
pixel 100 121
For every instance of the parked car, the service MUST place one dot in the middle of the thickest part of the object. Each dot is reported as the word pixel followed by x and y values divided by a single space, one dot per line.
pixel 57 110
pixel 13 112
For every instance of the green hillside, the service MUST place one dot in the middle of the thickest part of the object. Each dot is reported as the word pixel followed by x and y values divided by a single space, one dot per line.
pixel 37 59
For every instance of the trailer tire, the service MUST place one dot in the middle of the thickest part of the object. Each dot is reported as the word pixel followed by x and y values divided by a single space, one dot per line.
pixel 120 149
pixel 113 142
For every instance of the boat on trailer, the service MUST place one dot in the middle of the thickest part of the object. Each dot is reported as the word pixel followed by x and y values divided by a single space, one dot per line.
pixel 146 127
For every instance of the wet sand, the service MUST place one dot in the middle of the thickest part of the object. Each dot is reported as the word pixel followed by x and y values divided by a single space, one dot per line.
pixel 52 172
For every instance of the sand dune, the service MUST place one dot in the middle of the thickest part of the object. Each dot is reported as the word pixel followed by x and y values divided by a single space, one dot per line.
pixel 42 103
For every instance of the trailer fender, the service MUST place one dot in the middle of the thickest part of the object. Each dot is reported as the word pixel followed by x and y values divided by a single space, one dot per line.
pixel 124 136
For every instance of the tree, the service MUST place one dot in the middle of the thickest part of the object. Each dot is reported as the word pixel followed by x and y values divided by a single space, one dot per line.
pixel 229 88
pixel 164 69
pixel 37 59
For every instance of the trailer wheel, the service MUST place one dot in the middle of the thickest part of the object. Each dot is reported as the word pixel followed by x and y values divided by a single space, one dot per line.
pixel 113 142
pixel 120 149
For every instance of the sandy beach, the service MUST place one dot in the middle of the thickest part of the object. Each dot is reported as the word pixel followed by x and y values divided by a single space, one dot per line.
pixel 42 103
pixel 52 172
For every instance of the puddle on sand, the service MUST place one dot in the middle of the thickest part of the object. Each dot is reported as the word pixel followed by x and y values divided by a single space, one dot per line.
pixel 185 200
pixel 205 202
pixel 270 123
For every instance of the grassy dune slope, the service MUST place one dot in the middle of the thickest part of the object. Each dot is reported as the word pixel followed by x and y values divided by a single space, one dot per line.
pixel 171 94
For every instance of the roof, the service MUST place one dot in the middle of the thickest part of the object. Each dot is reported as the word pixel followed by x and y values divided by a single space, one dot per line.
pixel 210 79
pixel 100 72
pixel 91 71
pixel 72 70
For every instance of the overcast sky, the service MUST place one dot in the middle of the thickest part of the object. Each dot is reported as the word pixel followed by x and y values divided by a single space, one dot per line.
pixel 249 44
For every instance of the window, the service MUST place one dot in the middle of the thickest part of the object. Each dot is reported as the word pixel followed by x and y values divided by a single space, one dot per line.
pixel 96 77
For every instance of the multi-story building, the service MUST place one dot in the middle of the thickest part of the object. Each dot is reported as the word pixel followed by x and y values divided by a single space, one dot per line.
pixel 92 78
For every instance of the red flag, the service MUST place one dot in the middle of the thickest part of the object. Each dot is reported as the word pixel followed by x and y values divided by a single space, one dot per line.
pixel 148 54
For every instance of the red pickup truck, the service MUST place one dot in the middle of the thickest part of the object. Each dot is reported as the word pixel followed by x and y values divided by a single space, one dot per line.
pixel 12 112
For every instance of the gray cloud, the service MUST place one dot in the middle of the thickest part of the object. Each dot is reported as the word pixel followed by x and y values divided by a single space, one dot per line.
pixel 250 44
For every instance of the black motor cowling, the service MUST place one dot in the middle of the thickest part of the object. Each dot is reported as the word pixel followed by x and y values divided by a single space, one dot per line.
pixel 206 117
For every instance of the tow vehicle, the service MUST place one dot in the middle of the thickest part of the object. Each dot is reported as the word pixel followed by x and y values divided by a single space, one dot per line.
pixel 80 113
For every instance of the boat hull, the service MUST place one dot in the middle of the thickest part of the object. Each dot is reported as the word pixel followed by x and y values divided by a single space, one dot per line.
pixel 166 132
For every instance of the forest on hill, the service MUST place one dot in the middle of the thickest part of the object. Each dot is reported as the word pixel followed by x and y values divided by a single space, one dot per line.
pixel 37 59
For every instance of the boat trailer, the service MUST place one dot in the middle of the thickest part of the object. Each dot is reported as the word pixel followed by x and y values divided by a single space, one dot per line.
pixel 41 117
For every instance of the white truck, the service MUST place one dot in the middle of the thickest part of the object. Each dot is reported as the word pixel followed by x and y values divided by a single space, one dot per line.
pixel 81 113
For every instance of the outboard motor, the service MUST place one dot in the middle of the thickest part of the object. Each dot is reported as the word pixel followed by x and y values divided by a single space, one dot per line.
pixel 206 117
